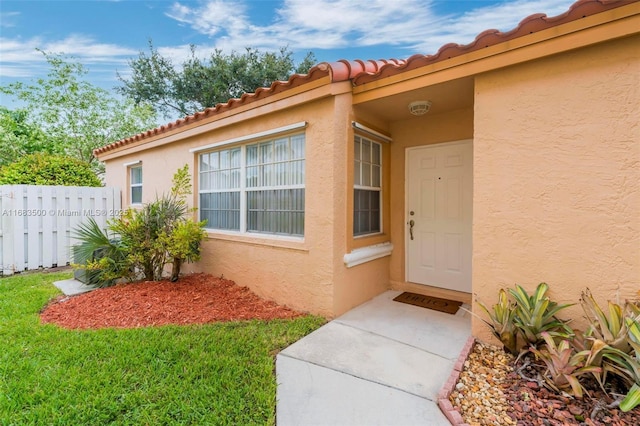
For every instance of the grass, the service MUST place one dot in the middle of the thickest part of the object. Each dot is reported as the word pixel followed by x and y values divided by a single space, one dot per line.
pixel 216 374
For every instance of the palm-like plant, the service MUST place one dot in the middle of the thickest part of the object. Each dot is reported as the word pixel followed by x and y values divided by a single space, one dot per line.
pixel 536 313
pixel 102 256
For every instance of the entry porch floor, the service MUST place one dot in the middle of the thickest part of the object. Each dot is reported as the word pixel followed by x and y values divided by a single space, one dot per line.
pixel 382 363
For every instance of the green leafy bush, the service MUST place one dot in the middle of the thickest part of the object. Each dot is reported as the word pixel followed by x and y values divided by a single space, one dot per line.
pixel 160 233
pixel 183 245
pixel 48 169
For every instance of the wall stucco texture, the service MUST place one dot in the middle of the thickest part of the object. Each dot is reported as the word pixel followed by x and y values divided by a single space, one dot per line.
pixel 557 177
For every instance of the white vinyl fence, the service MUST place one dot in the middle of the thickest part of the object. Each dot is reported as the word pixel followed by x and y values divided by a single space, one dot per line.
pixel 37 222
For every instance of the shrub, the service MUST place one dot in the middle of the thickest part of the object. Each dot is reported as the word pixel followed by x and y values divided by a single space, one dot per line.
pixel 184 245
pixel 47 169
pixel 158 234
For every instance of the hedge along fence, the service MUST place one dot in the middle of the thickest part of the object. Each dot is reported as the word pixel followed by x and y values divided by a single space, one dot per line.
pixel 37 222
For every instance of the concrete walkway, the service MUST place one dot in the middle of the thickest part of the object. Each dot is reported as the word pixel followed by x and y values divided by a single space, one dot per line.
pixel 72 287
pixel 382 363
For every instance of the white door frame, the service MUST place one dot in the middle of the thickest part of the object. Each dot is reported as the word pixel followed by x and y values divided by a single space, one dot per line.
pixel 408 151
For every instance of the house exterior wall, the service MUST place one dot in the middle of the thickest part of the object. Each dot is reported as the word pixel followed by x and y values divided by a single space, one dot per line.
pixel 297 273
pixel 557 177
pixel 556 172
pixel 357 284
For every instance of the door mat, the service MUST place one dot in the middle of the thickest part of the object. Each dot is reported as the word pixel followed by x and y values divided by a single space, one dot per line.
pixel 429 302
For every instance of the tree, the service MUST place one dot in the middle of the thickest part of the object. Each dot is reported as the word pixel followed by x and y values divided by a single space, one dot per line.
pixel 18 137
pixel 199 83
pixel 48 169
pixel 75 115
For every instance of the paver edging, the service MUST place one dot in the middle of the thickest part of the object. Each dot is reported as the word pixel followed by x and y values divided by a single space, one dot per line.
pixel 443 397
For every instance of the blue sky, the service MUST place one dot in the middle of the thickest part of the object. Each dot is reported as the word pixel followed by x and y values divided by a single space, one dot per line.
pixel 104 35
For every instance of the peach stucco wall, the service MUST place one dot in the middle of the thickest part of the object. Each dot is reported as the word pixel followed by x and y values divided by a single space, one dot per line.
pixel 556 185
pixel 298 273
pixel 557 176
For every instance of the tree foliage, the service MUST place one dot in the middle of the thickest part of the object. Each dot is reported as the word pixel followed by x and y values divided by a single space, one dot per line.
pixel 18 137
pixel 75 115
pixel 201 83
pixel 48 169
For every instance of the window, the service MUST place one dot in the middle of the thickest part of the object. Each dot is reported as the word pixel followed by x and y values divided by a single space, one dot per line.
pixel 135 183
pixel 367 187
pixel 256 187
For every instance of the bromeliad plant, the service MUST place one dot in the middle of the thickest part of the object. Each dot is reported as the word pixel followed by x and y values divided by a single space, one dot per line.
pixel 564 365
pixel 611 329
pixel 610 346
pixel 620 333
pixel 525 318
pixel 536 313
pixel 502 324
pixel 627 365
pixel 632 399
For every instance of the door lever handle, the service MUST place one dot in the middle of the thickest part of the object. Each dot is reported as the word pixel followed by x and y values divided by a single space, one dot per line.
pixel 411 223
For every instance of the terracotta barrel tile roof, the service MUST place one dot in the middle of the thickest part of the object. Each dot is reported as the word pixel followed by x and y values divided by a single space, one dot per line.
pixel 361 72
pixel 530 24
pixel 345 70
pixel 295 80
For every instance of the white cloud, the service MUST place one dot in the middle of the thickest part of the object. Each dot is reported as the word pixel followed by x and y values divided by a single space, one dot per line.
pixel 302 25
pixel 7 19
pixel 87 47
pixel 504 17
pixel 211 17
pixel 330 24
pixel 20 58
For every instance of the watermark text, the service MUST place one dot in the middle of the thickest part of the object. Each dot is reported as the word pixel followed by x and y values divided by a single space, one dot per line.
pixel 62 212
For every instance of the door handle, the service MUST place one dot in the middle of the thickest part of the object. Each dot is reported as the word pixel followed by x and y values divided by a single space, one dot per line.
pixel 411 223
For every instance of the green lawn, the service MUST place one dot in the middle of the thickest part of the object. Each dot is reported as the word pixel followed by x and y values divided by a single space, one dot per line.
pixel 203 375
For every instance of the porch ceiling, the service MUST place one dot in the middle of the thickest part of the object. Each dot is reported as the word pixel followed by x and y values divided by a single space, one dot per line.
pixel 448 96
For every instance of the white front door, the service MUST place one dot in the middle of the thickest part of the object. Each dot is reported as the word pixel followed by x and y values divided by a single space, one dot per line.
pixel 439 215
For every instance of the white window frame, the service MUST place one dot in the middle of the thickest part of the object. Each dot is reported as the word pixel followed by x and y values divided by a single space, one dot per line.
pixel 132 185
pixel 244 189
pixel 378 189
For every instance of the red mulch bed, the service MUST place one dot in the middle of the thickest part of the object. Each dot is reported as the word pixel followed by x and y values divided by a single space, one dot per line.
pixel 193 299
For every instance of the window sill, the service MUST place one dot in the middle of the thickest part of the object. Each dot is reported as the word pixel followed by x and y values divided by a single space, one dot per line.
pixel 274 241
pixel 367 254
